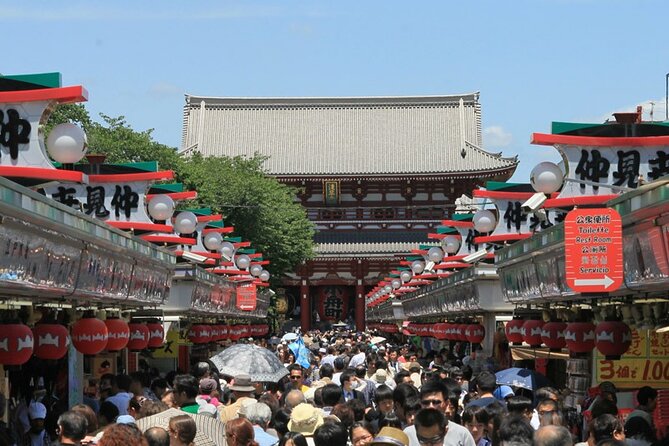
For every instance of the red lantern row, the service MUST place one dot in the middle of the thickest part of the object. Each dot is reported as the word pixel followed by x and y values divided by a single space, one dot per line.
pixel 611 338
pixel 203 334
pixel 474 333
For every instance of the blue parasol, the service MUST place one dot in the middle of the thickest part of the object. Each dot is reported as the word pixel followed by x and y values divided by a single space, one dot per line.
pixel 523 378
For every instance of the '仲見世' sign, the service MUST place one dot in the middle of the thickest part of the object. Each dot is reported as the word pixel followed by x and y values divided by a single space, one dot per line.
pixel 593 250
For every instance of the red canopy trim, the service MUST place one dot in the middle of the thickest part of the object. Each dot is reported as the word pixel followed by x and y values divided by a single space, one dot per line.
pixel 581 200
pixel 501 237
pixel 130 177
pixel 42 173
pixel 168 239
pixel 140 226
pixel 548 139
pixel 63 95
pixel 177 196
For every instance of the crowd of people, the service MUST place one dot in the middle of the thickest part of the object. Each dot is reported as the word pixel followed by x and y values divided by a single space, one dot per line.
pixel 349 393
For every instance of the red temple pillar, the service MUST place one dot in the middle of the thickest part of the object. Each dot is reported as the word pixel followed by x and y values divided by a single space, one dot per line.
pixel 305 306
pixel 359 306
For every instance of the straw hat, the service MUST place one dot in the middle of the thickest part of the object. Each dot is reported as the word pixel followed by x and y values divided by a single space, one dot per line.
pixel 390 436
pixel 242 383
pixel 305 419
pixel 381 376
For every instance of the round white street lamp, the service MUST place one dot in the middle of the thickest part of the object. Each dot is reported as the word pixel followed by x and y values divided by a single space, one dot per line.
pixel 161 207
pixel 185 222
pixel 227 249
pixel 243 261
pixel 484 221
pixel 435 254
pixel 546 177
pixel 405 276
pixel 451 244
pixel 255 270
pixel 67 143
pixel 212 241
pixel 417 266
pixel 264 275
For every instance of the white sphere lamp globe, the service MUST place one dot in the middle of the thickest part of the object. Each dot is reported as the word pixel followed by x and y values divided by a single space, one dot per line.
pixel 435 254
pixel 212 241
pixel 255 270
pixel 264 275
pixel 546 177
pixel 484 221
pixel 243 261
pixel 227 249
pixel 396 283
pixel 185 222
pixel 67 143
pixel 405 276
pixel 417 266
pixel 451 244
pixel 161 207
pixel 388 289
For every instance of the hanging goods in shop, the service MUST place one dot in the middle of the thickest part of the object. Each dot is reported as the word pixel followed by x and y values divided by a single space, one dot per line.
pixel 50 341
pixel 16 344
pixel 139 336
pixel 89 335
pixel 580 337
pixel 531 332
pixel 118 334
pixel 475 333
pixel 156 334
pixel 513 331
pixel 613 338
pixel 552 335
pixel 199 334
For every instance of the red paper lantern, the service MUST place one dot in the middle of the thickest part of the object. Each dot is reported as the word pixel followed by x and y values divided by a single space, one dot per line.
pixel 224 331
pixel 613 338
pixel 462 336
pixel 552 335
pixel 89 335
pixel 475 333
pixel 580 337
pixel 139 336
pixel 438 331
pixel 118 334
pixel 456 332
pixel 16 344
pixel 213 333
pixel 514 332
pixel 450 336
pixel 199 334
pixel 50 341
pixel 156 334
pixel 531 332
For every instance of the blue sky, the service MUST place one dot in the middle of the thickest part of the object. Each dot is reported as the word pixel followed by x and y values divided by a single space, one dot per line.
pixel 534 61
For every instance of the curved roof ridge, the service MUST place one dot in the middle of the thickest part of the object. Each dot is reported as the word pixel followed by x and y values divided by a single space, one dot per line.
pixel 195 100
pixel 498 155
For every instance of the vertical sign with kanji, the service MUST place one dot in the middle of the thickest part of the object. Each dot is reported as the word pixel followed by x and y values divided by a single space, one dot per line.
pixel 331 190
pixel 593 250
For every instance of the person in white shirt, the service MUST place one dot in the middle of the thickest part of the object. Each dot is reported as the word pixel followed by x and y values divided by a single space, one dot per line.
pixel 431 428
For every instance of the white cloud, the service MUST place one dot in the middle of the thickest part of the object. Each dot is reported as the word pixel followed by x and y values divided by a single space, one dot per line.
pixel 495 136
pixel 163 89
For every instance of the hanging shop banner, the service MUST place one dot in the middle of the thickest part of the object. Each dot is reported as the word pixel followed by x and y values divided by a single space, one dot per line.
pixel 593 250
pixel 647 360
pixel 246 297
pixel 333 303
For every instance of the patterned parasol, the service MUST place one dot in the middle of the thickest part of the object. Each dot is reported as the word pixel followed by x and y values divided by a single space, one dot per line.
pixel 259 363
pixel 210 431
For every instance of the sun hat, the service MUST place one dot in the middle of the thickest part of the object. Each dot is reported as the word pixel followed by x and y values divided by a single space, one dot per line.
pixel 390 436
pixel 305 419
pixel 242 383
pixel 244 405
pixel 381 376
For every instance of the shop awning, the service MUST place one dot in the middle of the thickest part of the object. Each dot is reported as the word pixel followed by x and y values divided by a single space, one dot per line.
pixel 49 251
pixel 521 353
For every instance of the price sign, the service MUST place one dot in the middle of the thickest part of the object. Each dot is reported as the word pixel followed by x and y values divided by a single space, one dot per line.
pixel 593 250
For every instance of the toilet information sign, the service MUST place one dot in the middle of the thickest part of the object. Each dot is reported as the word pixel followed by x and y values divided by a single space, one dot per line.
pixel 593 250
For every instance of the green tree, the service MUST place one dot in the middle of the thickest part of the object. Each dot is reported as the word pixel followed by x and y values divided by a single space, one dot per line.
pixel 260 208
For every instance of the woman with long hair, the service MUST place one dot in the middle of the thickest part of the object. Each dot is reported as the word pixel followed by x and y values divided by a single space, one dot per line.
pixel 122 435
pixel 239 432
pixel 293 439
pixel 182 430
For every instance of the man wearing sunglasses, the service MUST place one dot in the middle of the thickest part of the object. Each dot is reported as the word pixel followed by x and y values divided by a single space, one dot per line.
pixel 432 425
